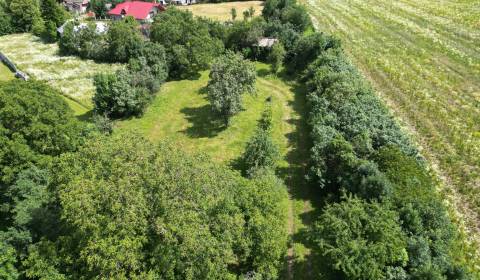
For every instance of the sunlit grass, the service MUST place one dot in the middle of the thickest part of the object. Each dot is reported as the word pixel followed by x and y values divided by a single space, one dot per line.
pixel 5 73
pixel 221 11
pixel 71 75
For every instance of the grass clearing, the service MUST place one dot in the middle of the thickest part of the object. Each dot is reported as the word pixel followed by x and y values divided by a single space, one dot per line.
pixel 69 74
pixel 423 58
pixel 182 114
pixel 5 73
pixel 221 11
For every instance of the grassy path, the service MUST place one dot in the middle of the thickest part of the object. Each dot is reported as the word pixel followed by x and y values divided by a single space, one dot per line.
pixel 423 58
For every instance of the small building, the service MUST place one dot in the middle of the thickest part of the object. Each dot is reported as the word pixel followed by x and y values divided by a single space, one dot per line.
pixel 266 42
pixel 140 10
pixel 76 6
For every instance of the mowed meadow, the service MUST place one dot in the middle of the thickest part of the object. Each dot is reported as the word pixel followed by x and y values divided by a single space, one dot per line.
pixel 71 75
pixel 423 58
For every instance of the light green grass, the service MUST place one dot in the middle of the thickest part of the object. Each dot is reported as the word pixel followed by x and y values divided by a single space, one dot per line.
pixel 423 58
pixel 5 73
pixel 222 11
pixel 69 74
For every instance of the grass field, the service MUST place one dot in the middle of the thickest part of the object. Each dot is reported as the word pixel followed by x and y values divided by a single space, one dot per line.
pixel 71 75
pixel 221 11
pixel 5 73
pixel 423 58
pixel 181 113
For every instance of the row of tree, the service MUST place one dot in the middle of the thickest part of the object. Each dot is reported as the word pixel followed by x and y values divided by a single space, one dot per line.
pixel 384 218
pixel 39 17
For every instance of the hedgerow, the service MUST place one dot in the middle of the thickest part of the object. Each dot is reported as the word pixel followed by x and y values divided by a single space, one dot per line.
pixel 359 150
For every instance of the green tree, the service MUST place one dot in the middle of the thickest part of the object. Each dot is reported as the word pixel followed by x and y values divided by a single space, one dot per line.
pixel 25 14
pixel 52 11
pixel 187 41
pixel 143 211
pixel 8 271
pixel 230 77
pixel 261 152
pixel 360 239
pixel 99 8
pixel 124 40
pixel 276 56
pixel 6 26
pixel 32 130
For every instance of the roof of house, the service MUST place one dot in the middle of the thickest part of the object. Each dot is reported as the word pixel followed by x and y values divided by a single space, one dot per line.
pixel 136 9
pixel 266 42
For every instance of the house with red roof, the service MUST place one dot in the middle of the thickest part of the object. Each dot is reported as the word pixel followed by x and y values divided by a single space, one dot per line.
pixel 140 10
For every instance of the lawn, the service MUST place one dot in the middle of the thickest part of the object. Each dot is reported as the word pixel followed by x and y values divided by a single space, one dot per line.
pixel 182 114
pixel 423 58
pixel 5 73
pixel 71 75
pixel 221 11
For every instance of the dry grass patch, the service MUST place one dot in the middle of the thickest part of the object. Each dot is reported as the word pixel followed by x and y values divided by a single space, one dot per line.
pixel 221 11
pixel 72 75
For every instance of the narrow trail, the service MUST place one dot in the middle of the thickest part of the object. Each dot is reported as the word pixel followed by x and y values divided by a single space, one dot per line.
pixel 296 136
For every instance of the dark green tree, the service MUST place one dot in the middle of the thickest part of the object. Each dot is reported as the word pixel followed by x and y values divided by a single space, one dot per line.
pixel 360 239
pixel 187 41
pixel 25 14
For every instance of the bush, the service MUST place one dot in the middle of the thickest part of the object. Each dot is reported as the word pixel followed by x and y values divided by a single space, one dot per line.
pixel 261 152
pixel 230 77
pixel 276 56
pixel 124 40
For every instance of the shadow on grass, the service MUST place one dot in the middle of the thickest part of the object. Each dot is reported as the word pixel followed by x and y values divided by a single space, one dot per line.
pixel 204 122
pixel 86 117
pixel 263 72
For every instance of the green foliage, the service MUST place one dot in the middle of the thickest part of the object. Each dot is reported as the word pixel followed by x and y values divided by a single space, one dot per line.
pixel 135 210
pixel 52 11
pixel 6 24
pixel 233 12
pixel 99 8
pixel 360 239
pixel 288 12
pixel 276 56
pixel 35 124
pixel 187 41
pixel 230 77
pixel 124 40
pixel 261 152
pixel 85 42
pixel 25 14
pixel 8 271
pixel 127 92
pixel 244 34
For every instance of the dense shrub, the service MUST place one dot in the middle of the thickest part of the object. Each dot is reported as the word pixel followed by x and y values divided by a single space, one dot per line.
pixel 142 211
pixel 124 40
pixel 276 56
pixel 230 77
pixel 84 42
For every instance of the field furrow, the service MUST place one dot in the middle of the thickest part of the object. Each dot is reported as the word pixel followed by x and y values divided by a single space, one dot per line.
pixel 423 58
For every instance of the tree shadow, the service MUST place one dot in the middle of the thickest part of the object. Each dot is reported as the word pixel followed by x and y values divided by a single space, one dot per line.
pixel 86 117
pixel 263 72
pixel 203 122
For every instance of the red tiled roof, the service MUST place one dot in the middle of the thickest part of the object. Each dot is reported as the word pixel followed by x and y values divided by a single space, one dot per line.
pixel 137 9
